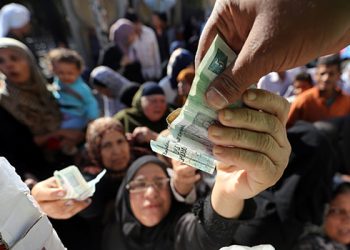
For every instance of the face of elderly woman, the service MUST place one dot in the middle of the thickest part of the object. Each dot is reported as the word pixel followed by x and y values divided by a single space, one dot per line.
pixel 14 66
pixel 153 106
pixel 150 199
pixel 115 150
pixel 337 221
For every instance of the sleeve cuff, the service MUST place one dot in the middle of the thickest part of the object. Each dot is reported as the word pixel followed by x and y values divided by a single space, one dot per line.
pixel 214 224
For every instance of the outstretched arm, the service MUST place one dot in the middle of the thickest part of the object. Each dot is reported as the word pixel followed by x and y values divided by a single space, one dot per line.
pixel 271 35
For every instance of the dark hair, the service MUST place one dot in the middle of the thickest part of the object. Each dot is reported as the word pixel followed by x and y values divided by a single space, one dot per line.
pixel 330 60
pixel 63 55
pixel 161 15
pixel 342 188
pixel 304 76
pixel 131 15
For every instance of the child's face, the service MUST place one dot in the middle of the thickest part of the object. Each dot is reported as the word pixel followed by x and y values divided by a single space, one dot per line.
pixel 300 86
pixel 337 221
pixel 67 72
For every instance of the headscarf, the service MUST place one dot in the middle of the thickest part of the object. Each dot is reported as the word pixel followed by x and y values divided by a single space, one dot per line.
pixel 94 134
pixel 30 103
pixel 13 16
pixel 112 80
pixel 151 88
pixel 127 232
pixel 119 33
pixel 134 117
pixel 179 59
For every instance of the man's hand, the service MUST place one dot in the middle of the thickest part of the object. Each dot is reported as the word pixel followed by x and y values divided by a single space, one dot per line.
pixel 252 147
pixel 271 35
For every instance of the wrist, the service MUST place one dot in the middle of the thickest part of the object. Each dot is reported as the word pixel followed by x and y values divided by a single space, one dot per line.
pixel 183 189
pixel 224 204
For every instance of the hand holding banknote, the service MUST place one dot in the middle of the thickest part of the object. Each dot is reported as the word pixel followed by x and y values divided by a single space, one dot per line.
pixel 271 35
pixel 252 148
pixel 49 196
pixel 75 185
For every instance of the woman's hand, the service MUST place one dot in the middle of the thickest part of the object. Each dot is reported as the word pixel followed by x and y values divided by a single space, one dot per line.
pixel 50 198
pixel 271 35
pixel 184 178
pixel 252 148
pixel 143 135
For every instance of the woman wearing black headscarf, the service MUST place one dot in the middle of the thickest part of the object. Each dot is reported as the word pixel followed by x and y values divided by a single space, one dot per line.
pixel 147 216
pixel 127 231
pixel 252 157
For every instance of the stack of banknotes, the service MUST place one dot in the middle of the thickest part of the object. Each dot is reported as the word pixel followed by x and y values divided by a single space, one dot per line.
pixel 71 180
pixel 188 138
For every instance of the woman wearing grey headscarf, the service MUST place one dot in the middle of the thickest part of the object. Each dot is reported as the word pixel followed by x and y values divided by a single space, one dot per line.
pixel 115 90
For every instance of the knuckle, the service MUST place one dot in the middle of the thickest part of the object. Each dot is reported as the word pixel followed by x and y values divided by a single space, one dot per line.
pixel 228 86
pixel 265 143
pixel 286 105
pixel 237 135
pixel 273 124
pixel 239 154
pixel 248 117
pixel 264 96
pixel 260 160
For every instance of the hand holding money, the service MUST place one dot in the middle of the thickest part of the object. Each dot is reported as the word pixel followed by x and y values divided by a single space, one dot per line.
pixel 49 197
pixel 188 141
pixel 271 35
pixel 252 148
pixel 71 180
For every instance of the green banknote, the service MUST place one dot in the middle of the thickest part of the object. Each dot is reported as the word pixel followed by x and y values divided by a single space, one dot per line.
pixel 74 183
pixel 188 138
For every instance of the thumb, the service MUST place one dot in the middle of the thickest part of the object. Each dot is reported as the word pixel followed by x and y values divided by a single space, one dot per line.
pixel 251 64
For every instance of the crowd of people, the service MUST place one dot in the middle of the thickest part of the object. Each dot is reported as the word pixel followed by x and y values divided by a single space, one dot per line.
pixel 279 155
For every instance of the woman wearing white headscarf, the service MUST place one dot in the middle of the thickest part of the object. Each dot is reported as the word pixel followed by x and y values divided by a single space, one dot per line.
pixel 14 21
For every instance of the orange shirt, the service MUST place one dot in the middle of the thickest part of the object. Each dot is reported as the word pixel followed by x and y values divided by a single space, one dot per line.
pixel 310 106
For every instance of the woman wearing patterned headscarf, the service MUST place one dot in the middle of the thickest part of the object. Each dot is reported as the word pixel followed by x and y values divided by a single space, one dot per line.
pixel 28 111
pixel 24 91
pixel 107 148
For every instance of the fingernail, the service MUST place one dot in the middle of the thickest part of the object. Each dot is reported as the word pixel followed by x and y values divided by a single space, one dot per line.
pixel 69 203
pixel 227 115
pixel 218 150
pixel 61 193
pixel 215 131
pixel 251 96
pixel 216 99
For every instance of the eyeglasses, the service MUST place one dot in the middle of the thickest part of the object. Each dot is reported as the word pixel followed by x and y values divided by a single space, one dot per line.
pixel 138 186
pixel 334 211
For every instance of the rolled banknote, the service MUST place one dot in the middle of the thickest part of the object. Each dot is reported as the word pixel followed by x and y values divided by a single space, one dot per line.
pixel 74 183
pixel 188 138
